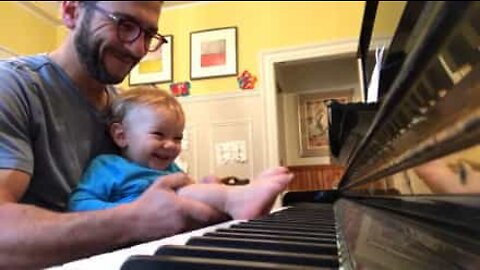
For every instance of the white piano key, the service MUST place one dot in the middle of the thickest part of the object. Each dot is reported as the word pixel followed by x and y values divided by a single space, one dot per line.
pixel 114 260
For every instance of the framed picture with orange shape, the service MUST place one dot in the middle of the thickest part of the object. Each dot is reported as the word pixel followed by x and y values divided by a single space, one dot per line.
pixel 155 67
pixel 213 53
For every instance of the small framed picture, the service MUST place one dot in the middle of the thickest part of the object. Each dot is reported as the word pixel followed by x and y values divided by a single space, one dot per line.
pixel 213 53
pixel 313 120
pixel 155 67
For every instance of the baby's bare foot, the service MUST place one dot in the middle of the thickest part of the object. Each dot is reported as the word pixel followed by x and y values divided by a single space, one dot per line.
pixel 257 198
pixel 210 179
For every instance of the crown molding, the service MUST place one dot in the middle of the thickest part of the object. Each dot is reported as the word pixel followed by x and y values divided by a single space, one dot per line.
pixel 187 4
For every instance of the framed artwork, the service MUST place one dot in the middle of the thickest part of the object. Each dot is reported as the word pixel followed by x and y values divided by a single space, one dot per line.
pixel 213 53
pixel 313 120
pixel 155 67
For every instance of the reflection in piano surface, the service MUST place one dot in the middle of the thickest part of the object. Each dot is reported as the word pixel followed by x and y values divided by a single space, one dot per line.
pixel 458 173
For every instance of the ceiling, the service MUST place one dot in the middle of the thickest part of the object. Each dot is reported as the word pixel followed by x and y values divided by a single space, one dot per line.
pixel 169 4
pixel 316 74
pixel 49 10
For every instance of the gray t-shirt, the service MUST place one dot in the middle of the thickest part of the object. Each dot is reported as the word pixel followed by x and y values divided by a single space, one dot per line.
pixel 47 129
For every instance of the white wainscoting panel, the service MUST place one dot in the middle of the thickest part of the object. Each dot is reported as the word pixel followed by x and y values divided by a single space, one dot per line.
pixel 231 132
pixel 219 118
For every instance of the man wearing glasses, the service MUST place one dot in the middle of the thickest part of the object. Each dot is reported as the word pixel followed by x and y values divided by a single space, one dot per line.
pixel 53 110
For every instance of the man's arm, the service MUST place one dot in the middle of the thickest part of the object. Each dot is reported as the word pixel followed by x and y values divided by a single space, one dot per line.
pixel 31 237
pixel 13 185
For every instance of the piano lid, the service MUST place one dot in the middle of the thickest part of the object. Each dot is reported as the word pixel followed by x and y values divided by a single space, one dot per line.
pixel 423 137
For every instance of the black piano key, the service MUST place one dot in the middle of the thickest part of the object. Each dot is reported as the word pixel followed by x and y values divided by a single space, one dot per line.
pixel 281 227
pixel 297 220
pixel 308 218
pixel 303 209
pixel 293 224
pixel 278 232
pixel 312 221
pixel 288 217
pixel 250 255
pixel 142 262
pixel 272 237
pixel 291 215
pixel 296 211
pixel 287 246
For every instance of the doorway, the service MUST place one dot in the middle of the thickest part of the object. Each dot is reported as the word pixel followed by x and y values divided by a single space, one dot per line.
pixel 291 57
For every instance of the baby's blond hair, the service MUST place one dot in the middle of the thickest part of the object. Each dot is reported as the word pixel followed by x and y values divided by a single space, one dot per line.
pixel 143 95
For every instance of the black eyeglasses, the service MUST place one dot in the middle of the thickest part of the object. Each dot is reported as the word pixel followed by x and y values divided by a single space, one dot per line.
pixel 128 31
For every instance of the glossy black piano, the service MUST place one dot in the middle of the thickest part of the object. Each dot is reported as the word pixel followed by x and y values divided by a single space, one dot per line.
pixel 410 195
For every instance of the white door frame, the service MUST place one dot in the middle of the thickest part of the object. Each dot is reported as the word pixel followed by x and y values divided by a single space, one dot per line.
pixel 267 62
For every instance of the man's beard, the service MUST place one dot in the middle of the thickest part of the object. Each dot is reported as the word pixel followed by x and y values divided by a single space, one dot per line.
pixel 89 53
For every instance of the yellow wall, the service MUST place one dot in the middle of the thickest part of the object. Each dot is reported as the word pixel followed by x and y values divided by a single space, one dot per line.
pixel 261 26
pixel 24 33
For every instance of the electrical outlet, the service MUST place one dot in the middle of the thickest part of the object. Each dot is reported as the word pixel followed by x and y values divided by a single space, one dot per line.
pixel 231 152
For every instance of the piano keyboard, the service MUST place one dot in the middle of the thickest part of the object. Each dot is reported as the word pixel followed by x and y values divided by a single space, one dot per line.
pixel 295 238
pixel 300 237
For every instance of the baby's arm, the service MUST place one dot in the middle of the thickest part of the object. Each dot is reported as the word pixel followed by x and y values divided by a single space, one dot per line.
pixel 94 190
pixel 85 198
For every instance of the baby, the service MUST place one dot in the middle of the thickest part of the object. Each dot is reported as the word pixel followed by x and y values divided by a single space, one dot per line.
pixel 147 125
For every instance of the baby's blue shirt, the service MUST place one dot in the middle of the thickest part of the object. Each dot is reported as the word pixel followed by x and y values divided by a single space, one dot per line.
pixel 111 180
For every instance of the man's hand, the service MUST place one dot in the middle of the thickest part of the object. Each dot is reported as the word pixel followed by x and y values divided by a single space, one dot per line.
pixel 160 212
pixel 174 181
